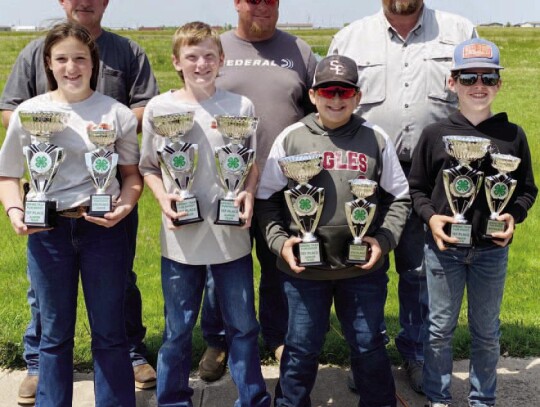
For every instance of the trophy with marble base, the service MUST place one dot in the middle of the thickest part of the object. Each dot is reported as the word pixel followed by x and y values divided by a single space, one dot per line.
pixel 499 189
pixel 101 164
pixel 305 203
pixel 359 214
pixel 233 162
pixel 179 162
pixel 43 160
pixel 462 183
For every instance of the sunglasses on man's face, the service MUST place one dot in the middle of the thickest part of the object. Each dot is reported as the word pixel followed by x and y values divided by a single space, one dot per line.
pixel 469 79
pixel 257 2
pixel 331 92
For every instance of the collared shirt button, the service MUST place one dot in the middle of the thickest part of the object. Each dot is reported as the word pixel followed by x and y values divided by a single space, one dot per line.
pixel 406 105
pixel 406 84
pixel 406 64
pixel 407 128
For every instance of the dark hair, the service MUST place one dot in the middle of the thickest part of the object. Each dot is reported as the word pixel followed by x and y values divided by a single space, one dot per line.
pixel 66 30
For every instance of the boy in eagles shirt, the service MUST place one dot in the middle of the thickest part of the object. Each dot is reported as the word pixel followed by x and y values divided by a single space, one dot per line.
pixel 352 148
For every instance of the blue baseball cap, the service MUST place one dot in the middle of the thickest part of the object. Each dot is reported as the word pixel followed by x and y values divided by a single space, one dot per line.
pixel 476 53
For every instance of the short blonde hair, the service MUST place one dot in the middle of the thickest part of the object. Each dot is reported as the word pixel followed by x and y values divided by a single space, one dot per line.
pixel 192 34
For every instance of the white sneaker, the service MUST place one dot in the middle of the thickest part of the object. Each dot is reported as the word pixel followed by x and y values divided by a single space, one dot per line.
pixel 431 404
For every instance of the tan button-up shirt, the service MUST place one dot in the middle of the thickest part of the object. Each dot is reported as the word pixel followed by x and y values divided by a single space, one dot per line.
pixel 404 80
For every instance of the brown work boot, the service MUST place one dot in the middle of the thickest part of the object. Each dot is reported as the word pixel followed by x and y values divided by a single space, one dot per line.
pixel 212 365
pixel 27 391
pixel 145 376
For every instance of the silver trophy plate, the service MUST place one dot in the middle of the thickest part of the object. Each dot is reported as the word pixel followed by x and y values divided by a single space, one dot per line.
pixel 233 163
pixel 237 128
pixel 302 167
pixel 466 149
pixel 43 160
pixel 179 161
pixel 359 214
pixel 305 204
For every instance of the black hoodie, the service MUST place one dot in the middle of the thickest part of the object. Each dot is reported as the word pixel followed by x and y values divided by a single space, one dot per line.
pixel 430 159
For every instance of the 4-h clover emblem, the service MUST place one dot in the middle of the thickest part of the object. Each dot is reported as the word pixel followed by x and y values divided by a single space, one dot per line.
pixel 499 191
pixel 359 216
pixel 463 186
pixel 101 165
pixel 234 163
pixel 305 205
pixel 179 161
pixel 41 162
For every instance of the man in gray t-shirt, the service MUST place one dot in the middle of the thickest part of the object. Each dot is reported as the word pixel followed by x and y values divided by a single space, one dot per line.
pixel 274 70
pixel 126 75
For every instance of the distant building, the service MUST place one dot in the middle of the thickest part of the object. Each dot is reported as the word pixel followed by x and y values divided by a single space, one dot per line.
pixel 5 28
pixel 295 26
pixel 531 24
pixel 492 25
pixel 143 28
pixel 24 28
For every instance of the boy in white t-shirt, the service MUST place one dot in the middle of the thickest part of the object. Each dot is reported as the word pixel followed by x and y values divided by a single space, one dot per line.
pixel 188 249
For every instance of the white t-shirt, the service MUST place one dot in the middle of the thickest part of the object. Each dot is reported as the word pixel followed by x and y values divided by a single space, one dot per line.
pixel 72 185
pixel 203 242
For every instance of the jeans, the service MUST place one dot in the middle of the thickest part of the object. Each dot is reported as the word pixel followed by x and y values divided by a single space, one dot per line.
pixel 183 286
pixel 56 258
pixel 412 289
pixel 211 320
pixel 359 304
pixel 135 329
pixel 482 272
pixel 272 303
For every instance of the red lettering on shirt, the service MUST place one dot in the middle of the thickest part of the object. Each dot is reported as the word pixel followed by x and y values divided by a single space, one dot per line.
pixel 345 161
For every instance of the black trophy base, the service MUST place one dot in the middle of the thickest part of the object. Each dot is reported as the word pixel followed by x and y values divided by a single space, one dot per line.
pixel 461 231
pixel 228 214
pixel 191 206
pixel 100 204
pixel 40 214
pixel 358 253
pixel 309 254
pixel 490 226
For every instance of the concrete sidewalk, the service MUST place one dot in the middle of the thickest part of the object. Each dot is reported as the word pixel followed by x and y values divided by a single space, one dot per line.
pixel 518 386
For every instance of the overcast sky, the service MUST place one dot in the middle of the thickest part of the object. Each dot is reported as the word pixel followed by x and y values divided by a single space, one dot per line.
pixel 326 13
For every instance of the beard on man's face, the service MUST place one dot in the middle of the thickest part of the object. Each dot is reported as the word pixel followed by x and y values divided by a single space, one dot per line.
pixel 403 7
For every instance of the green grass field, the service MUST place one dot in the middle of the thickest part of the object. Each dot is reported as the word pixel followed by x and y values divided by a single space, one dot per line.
pixel 520 315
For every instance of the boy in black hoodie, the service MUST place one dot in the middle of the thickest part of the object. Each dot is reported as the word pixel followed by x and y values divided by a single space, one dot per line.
pixel 481 267
pixel 351 148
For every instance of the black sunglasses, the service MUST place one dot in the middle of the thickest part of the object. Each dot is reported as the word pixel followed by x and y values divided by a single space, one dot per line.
pixel 469 79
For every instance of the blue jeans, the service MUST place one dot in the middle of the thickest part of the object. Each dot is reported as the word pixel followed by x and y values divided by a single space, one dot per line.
pixel 359 304
pixel 272 304
pixel 483 272
pixel 135 329
pixel 183 286
pixel 412 287
pixel 56 258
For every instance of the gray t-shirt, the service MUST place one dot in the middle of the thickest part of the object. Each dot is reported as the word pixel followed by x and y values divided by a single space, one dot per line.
pixel 72 185
pixel 203 242
pixel 125 73
pixel 404 80
pixel 276 75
